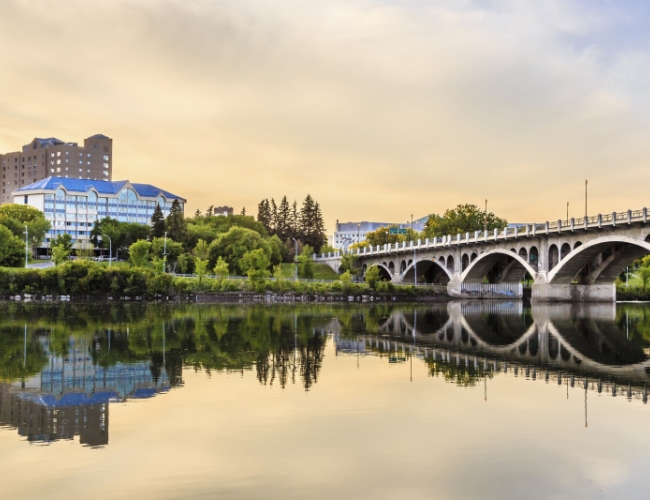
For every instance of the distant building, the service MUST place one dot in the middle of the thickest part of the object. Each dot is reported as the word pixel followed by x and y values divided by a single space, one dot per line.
pixel 73 206
pixel 223 210
pixel 348 233
pixel 43 158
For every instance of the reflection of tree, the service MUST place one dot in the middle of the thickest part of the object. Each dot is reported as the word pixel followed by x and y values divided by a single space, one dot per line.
pixel 15 362
pixel 461 374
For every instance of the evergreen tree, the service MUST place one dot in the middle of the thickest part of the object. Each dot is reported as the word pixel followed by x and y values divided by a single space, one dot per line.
pixel 294 229
pixel 274 218
pixel 175 223
pixel 312 227
pixel 264 214
pixel 209 211
pixel 243 211
pixel 283 225
pixel 157 223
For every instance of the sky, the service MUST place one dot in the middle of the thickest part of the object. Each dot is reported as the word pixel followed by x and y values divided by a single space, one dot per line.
pixel 378 109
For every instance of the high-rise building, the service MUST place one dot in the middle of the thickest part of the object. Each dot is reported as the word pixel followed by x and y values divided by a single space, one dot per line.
pixel 43 158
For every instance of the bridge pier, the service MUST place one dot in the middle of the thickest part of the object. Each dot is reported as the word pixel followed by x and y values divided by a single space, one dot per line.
pixel 545 292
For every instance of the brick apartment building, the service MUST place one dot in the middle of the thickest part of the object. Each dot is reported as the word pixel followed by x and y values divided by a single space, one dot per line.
pixel 50 157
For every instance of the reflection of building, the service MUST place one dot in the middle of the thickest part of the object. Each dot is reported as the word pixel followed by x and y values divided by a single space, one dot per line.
pixel 44 157
pixel 73 206
pixel 71 396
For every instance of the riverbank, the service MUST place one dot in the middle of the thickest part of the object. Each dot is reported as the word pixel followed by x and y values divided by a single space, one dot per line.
pixel 88 281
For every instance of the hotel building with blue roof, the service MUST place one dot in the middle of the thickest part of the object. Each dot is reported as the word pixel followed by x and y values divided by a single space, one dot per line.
pixel 73 206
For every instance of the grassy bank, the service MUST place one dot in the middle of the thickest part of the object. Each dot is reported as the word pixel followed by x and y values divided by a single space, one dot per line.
pixel 80 279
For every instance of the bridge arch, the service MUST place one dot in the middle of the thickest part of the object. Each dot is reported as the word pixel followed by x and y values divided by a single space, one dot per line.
pixel 429 271
pixel 384 273
pixel 599 261
pixel 553 256
pixel 515 267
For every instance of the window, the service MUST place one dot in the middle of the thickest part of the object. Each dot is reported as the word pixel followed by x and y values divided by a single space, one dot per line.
pixel 26 198
pixel 105 157
pixel 58 153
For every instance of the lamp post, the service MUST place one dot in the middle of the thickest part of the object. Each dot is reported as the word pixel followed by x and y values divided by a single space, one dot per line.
pixel 358 232
pixel 586 182
pixel 26 246
pixel 296 260
pixel 110 249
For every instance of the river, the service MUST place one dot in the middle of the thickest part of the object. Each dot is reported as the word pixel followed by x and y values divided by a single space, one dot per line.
pixel 459 400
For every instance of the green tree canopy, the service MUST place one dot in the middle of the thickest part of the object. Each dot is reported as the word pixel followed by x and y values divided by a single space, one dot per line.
pixel 460 220
pixel 12 250
pixel 15 217
pixel 232 246
pixel 139 253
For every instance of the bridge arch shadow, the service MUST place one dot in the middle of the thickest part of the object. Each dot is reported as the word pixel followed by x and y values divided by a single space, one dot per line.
pixel 599 261
pixel 499 265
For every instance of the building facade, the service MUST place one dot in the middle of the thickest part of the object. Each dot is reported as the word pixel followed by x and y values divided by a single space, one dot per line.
pixel 43 158
pixel 74 206
pixel 348 233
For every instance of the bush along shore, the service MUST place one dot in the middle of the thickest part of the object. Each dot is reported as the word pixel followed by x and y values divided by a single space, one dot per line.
pixel 87 280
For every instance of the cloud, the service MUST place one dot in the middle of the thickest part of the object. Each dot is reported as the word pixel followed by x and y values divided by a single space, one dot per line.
pixel 379 109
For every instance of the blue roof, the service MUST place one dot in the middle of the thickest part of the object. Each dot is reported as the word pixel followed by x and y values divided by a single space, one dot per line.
pixel 102 187
pixel 98 136
pixel 49 141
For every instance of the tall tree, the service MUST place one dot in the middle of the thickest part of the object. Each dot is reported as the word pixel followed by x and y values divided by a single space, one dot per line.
pixel 312 226
pixel 274 217
pixel 264 214
pixel 175 223
pixel 283 224
pixel 157 223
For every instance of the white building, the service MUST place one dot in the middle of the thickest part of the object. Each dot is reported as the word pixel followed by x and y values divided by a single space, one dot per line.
pixel 73 206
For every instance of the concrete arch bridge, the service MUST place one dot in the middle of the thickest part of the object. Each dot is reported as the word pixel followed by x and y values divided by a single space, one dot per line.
pixel 564 260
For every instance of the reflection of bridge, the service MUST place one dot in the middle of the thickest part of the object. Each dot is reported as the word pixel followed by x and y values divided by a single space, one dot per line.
pixel 71 396
pixel 582 341
pixel 574 260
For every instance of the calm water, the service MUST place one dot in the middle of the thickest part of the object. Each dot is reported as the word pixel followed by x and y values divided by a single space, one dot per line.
pixel 466 400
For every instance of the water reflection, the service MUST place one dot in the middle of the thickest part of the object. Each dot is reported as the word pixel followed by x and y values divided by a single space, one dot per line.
pixel 61 367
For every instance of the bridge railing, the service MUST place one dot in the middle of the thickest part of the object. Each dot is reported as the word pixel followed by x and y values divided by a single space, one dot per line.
pixel 520 231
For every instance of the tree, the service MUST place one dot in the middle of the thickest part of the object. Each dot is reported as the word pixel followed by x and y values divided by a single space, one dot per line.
pixel 139 253
pixel 348 262
pixel 264 214
pixel 460 220
pixel 373 277
pixel 209 211
pixel 60 254
pixel 175 223
pixel 256 264
pixel 201 249
pixel 200 268
pixel 12 249
pixel 64 240
pixel 170 250
pixel 644 276
pixel 311 224
pixel 157 223
pixel 233 245
pixel 15 217
pixel 283 223
pixel 221 268
pixel 306 263
pixel 243 211
pixel 85 250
